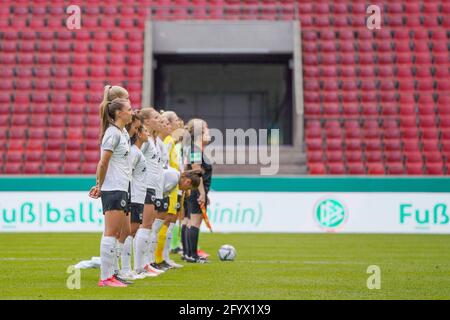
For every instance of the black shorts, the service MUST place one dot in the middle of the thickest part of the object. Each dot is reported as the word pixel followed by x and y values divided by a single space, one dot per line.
pixel 178 206
pixel 186 208
pixel 150 197
pixel 128 209
pixel 137 210
pixel 114 200
pixel 192 203
pixel 161 205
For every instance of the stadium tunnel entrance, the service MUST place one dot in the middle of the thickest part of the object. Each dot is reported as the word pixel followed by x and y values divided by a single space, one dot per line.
pixel 228 91
pixel 234 74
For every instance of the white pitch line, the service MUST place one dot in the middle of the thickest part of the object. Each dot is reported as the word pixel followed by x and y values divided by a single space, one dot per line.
pixel 36 259
pixel 299 262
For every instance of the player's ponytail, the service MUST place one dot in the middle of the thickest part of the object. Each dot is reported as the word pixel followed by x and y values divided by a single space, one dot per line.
pixel 109 94
pixel 109 113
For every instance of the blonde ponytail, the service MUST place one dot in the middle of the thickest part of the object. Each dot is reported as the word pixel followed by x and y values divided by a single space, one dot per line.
pixel 109 94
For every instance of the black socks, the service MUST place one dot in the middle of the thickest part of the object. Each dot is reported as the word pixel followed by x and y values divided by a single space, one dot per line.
pixel 184 239
pixel 193 234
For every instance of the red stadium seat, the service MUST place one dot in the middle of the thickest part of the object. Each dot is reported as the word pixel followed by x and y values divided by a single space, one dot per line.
pixel 36 145
pixel 51 168
pixel 374 156
pixel 433 157
pixel 434 169
pixel 375 169
pixel 414 169
pixel 336 169
pixel 94 156
pixel 354 156
pixel 73 156
pixel 13 168
pixel 55 144
pixel 395 169
pixel 315 156
pixel 14 156
pixel 317 169
pixel 88 168
pixel 356 169
pixel 93 144
pixel 335 156
pixel 32 168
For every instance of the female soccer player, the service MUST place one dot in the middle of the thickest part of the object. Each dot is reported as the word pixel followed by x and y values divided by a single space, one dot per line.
pixel 180 181
pixel 154 194
pixel 113 178
pixel 138 135
pixel 178 135
pixel 197 198
pixel 162 258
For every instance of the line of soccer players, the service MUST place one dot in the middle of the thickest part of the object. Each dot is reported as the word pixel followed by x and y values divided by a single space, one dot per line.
pixel 151 174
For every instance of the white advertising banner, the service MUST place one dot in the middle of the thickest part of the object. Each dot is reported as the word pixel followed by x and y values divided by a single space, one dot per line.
pixel 352 212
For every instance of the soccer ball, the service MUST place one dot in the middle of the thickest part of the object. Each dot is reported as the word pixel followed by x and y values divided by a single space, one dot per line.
pixel 227 253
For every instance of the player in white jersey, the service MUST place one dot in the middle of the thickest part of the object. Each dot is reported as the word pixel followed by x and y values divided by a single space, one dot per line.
pixel 154 193
pixel 185 181
pixel 162 259
pixel 162 204
pixel 138 167
pixel 113 178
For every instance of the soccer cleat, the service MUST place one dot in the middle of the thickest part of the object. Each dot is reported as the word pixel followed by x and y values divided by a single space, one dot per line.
pixel 176 250
pixel 120 279
pixel 146 274
pixel 201 260
pixel 196 260
pixel 202 254
pixel 111 282
pixel 131 275
pixel 173 264
pixel 164 265
pixel 137 276
pixel 189 259
pixel 153 267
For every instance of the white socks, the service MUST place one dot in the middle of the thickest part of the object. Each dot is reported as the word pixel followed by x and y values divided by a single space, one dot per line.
pixel 168 241
pixel 142 243
pixel 157 224
pixel 119 249
pixel 107 253
pixel 126 254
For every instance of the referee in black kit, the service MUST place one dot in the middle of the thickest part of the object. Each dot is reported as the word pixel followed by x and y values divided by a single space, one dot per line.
pixel 199 137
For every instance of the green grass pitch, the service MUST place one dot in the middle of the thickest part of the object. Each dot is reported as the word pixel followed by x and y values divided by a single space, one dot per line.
pixel 268 266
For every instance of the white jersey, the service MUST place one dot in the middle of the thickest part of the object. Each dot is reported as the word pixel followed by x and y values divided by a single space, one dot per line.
pixel 139 176
pixel 164 153
pixel 118 175
pixel 154 175
pixel 171 178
